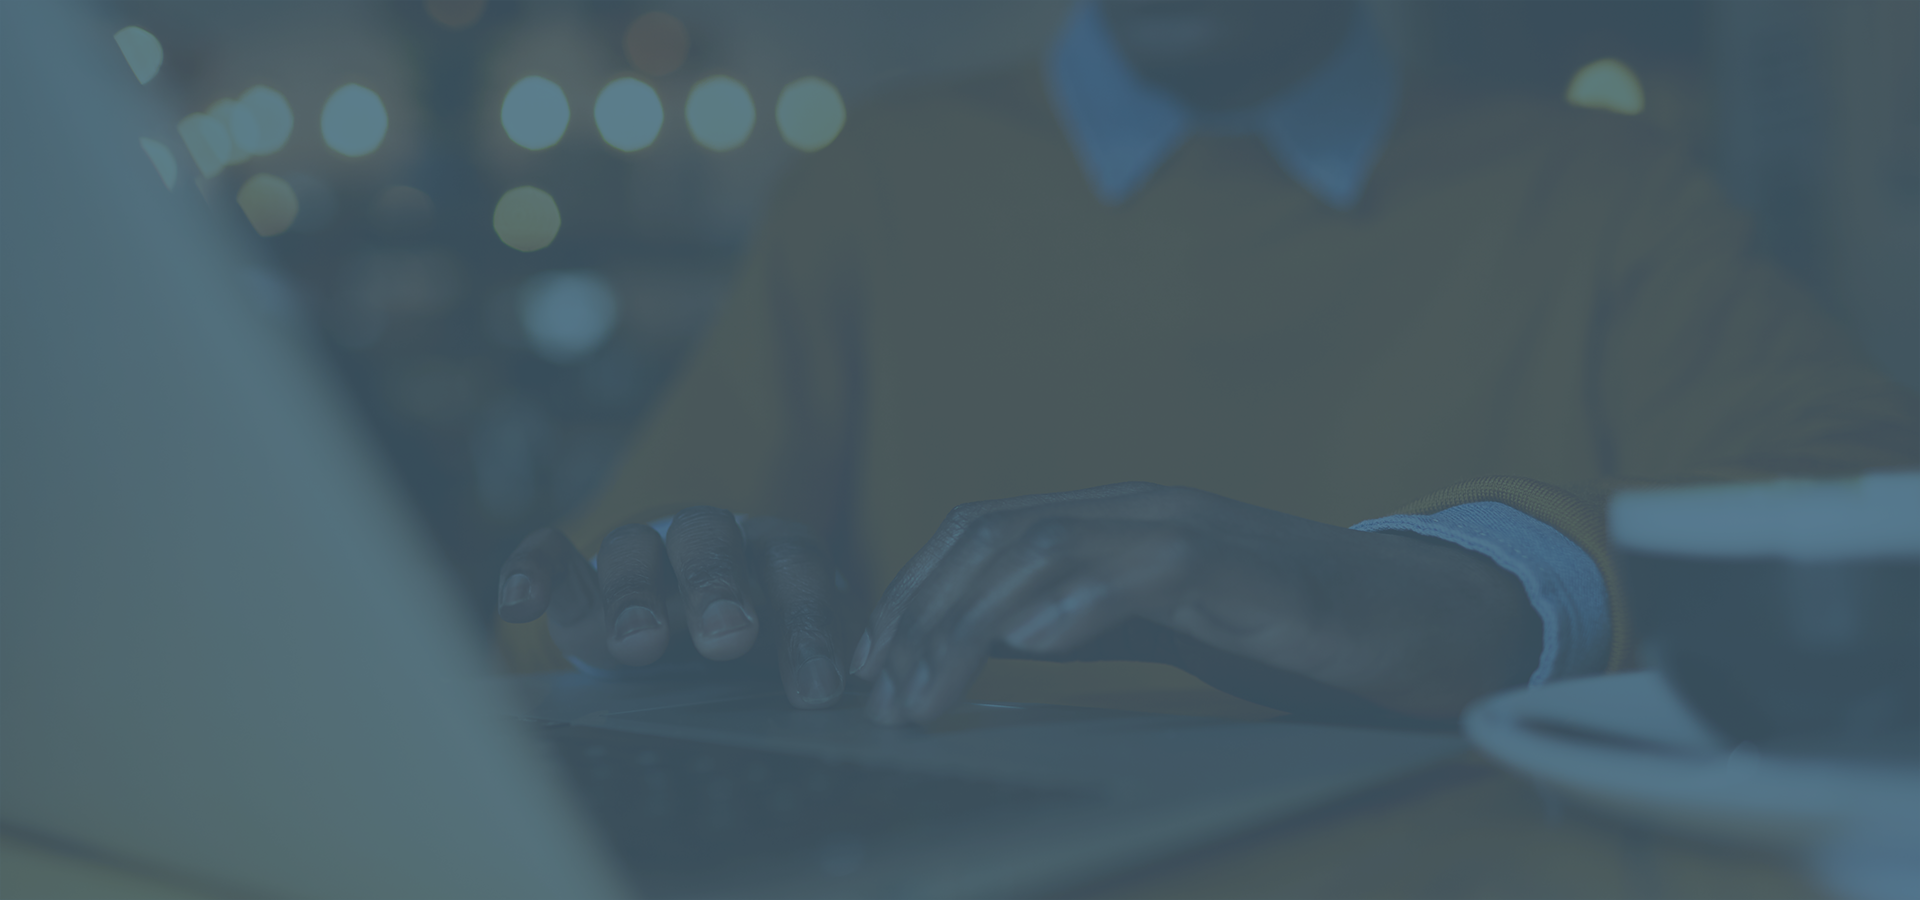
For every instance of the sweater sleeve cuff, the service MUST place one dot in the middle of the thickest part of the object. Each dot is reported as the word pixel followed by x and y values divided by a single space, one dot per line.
pixel 1562 582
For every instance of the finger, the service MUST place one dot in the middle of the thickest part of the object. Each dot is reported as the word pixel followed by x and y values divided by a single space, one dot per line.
pixel 934 658
pixel 542 575
pixel 546 574
pixel 954 530
pixel 714 581
pixel 1125 569
pixel 1062 584
pixel 796 578
pixel 636 584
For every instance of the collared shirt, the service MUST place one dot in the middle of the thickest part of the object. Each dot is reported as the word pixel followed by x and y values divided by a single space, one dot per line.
pixel 1327 130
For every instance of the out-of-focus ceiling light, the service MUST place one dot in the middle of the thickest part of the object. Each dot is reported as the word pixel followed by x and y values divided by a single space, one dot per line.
pixel 270 204
pixel 353 121
pixel 142 51
pixel 534 113
pixel 629 114
pixel 810 113
pixel 526 219
pixel 568 315
pixel 207 143
pixel 272 120
pixel 1607 84
pixel 719 113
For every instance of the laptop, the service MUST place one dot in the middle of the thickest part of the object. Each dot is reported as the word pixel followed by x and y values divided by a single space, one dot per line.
pixel 229 656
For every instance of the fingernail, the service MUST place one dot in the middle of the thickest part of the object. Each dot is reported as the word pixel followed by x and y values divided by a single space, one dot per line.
pixel 723 617
pixel 633 620
pixel 819 680
pixel 860 651
pixel 518 591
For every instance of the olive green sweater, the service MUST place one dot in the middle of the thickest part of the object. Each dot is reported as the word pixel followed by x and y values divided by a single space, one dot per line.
pixel 1529 303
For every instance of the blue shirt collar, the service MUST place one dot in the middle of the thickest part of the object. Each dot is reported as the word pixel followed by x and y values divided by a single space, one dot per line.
pixel 1326 131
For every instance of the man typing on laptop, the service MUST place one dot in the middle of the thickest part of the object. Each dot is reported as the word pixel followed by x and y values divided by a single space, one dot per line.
pixel 1220 246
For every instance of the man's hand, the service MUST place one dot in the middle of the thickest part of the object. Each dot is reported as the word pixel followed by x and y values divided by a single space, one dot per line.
pixel 729 586
pixel 1419 627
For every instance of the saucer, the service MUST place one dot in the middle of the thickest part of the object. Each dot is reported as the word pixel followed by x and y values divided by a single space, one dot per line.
pixel 1624 744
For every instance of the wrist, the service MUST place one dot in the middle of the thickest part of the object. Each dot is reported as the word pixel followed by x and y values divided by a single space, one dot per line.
pixel 1429 626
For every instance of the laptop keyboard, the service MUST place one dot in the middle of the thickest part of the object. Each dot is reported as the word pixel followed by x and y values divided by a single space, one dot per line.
pixel 688 816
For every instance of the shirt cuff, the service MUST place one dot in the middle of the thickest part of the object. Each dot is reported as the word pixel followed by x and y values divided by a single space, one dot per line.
pixel 1561 580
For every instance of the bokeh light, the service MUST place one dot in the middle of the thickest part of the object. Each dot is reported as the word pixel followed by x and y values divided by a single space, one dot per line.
pixel 628 114
pixel 1607 84
pixel 719 113
pixel 568 315
pixel 207 143
pixel 526 219
pixel 456 14
pixel 810 113
pixel 656 44
pixel 272 120
pixel 241 128
pixel 534 113
pixel 163 161
pixel 142 51
pixel 270 204
pixel 353 121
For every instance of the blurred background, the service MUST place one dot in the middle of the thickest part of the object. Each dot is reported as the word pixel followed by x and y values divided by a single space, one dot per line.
pixel 506 222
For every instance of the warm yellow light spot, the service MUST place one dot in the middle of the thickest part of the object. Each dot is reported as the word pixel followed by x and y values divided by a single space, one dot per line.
pixel 526 219
pixel 628 114
pixel 456 14
pixel 142 51
pixel 534 113
pixel 270 204
pixel 656 44
pixel 719 113
pixel 163 161
pixel 353 121
pixel 271 117
pixel 1607 84
pixel 810 113
pixel 242 130
pixel 207 143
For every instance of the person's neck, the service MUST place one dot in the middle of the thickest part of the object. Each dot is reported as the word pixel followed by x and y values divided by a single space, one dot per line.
pixel 1226 57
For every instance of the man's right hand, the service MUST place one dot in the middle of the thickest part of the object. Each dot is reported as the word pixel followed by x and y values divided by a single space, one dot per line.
pixel 729 586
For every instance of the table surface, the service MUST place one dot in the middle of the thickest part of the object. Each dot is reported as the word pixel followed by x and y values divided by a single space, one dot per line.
pixel 1462 829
